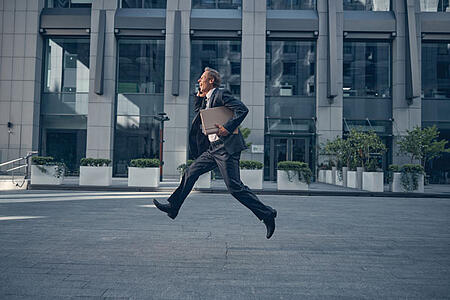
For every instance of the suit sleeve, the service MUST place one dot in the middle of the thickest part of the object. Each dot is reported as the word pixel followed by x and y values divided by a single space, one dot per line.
pixel 239 109
pixel 197 103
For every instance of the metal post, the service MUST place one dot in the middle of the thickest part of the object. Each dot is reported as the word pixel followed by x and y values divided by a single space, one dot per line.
pixel 162 117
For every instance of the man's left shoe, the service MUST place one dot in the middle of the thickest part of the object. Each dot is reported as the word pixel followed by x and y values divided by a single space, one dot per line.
pixel 167 208
pixel 270 224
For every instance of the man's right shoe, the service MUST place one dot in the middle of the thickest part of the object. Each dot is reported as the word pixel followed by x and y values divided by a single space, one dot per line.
pixel 270 224
pixel 167 208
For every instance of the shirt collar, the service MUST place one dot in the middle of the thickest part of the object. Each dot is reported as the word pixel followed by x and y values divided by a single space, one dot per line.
pixel 208 95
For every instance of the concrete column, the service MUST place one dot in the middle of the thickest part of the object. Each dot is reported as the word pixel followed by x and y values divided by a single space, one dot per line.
pixel 176 107
pixel 20 76
pixel 329 111
pixel 253 70
pixel 100 123
pixel 405 116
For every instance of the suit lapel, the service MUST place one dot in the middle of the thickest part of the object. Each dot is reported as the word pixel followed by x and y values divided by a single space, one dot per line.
pixel 214 97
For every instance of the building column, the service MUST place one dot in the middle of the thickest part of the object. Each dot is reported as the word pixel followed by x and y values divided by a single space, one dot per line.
pixel 20 77
pixel 177 106
pixel 329 110
pixel 253 72
pixel 100 121
pixel 406 114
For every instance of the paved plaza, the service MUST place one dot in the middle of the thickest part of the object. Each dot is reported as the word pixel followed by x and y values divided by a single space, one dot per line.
pixel 117 245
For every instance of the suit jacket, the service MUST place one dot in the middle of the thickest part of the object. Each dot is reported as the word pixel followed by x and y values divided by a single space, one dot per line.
pixel 199 143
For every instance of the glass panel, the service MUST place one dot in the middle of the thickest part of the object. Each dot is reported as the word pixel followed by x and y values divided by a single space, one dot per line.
pixel 299 150
pixel 436 70
pixel 135 137
pixel 141 66
pixel 367 69
pixel 66 66
pixel 368 5
pixel 291 4
pixel 69 3
pixel 280 148
pixel 435 5
pixel 288 126
pixel 217 4
pixel 380 127
pixel 144 3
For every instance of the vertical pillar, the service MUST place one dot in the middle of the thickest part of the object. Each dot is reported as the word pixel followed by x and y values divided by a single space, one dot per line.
pixel 253 70
pixel 177 105
pixel 100 123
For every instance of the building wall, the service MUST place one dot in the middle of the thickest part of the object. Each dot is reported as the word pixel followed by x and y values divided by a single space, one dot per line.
pixel 21 68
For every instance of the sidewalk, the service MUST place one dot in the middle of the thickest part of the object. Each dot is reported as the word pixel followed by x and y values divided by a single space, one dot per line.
pixel 269 188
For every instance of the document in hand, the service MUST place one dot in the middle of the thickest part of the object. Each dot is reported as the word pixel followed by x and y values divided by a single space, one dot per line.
pixel 216 115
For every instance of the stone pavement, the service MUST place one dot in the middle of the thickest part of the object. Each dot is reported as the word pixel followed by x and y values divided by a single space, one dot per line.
pixel 116 245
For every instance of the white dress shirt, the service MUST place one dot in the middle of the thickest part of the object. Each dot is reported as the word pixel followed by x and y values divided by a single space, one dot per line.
pixel 212 137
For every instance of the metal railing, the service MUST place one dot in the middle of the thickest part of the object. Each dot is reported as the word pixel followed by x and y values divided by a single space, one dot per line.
pixel 26 166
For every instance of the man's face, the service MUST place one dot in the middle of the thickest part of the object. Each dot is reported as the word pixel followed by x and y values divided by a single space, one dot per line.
pixel 205 82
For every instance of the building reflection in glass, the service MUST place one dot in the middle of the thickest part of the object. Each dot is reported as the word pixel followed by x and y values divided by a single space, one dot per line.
pixel 367 5
pixel 291 4
pixel 435 5
pixel 144 3
pixel 436 70
pixel 217 4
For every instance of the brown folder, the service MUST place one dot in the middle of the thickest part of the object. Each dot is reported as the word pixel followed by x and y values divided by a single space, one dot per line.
pixel 216 115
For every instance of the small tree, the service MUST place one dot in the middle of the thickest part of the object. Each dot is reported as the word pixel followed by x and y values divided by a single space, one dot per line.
pixel 340 149
pixel 421 144
pixel 363 146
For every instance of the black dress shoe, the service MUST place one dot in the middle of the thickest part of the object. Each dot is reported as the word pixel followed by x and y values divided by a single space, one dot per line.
pixel 270 224
pixel 167 208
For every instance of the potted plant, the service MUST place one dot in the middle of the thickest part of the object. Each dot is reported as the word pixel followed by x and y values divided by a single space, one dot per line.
pixel 95 171
pixel 143 172
pixel 373 177
pixel 393 169
pixel 293 175
pixel 410 178
pixel 203 182
pixel 252 173
pixel 340 149
pixel 44 170
pixel 322 172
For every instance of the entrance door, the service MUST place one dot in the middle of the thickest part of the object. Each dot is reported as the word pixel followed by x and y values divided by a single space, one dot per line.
pixel 64 146
pixel 287 148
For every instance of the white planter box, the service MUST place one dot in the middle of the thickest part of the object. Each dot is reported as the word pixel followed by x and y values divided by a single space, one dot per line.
pixel 354 179
pixel 46 177
pixel 373 181
pixel 252 178
pixel 204 181
pixel 344 176
pixel 329 176
pixel 333 175
pixel 322 176
pixel 397 184
pixel 98 176
pixel 283 182
pixel 143 177
pixel 339 180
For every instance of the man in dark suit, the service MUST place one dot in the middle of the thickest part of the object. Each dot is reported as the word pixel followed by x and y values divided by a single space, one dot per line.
pixel 222 150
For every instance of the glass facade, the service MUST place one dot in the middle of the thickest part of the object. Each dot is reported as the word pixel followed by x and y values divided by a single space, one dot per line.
pixel 217 4
pixel 436 70
pixel 64 105
pixel 291 4
pixel 69 3
pixel 435 5
pixel 367 69
pixel 144 3
pixel 368 5
pixel 140 94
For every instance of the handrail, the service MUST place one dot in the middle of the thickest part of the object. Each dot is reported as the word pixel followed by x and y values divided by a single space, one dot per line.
pixel 26 166
pixel 29 154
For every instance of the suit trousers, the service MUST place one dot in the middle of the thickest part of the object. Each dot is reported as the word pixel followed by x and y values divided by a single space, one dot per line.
pixel 228 165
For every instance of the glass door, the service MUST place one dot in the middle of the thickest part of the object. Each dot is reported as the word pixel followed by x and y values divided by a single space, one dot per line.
pixel 287 148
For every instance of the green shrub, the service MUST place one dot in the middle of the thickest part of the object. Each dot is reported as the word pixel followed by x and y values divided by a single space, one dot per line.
pixel 394 168
pixel 144 163
pixel 182 168
pixel 250 165
pixel 304 172
pixel 43 161
pixel 95 162
pixel 410 176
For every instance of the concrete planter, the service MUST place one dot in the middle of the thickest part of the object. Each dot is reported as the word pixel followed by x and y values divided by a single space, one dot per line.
pixel 283 182
pixel 373 181
pixel 339 179
pixel 252 178
pixel 329 176
pixel 333 175
pixel 45 175
pixel 143 177
pixel 97 176
pixel 203 182
pixel 322 176
pixel 344 176
pixel 354 178
pixel 397 184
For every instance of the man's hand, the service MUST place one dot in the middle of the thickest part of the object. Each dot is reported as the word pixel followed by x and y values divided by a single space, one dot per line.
pixel 201 94
pixel 222 130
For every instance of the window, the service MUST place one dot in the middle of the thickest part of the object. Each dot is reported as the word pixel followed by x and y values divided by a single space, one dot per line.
pixel 367 5
pixel 290 68
pixel 367 69
pixel 217 4
pixel 69 3
pixel 291 4
pixel 140 93
pixel 144 3
pixel 436 70
pixel 64 105
pixel 435 5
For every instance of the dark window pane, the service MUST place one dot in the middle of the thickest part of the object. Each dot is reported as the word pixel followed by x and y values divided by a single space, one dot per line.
pixel 367 5
pixel 291 4
pixel 435 5
pixel 217 4
pixel 141 66
pixel 367 69
pixel 436 70
pixel 155 3
pixel 69 3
